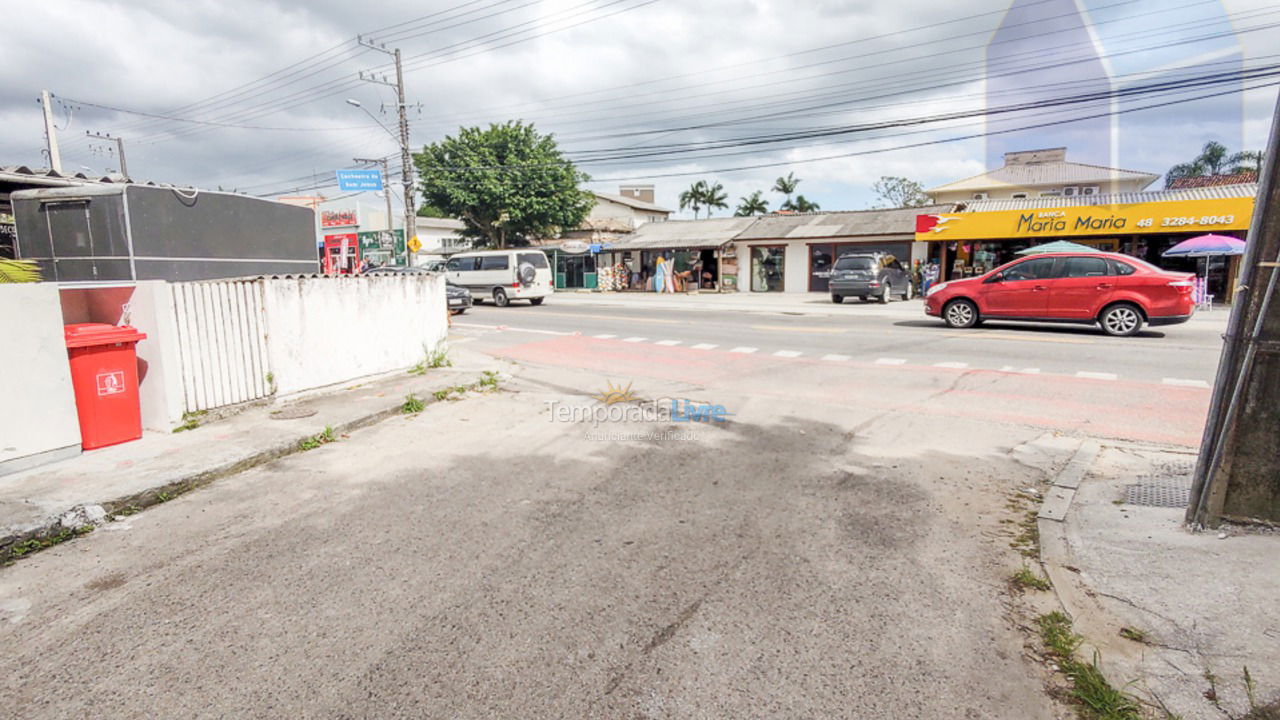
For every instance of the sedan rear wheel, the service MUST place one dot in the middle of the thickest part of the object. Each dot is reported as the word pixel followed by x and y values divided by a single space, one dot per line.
pixel 1121 320
pixel 960 314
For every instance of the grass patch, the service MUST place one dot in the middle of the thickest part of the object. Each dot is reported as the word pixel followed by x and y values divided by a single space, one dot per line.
pixel 320 438
pixel 1027 578
pixel 1027 539
pixel 35 544
pixel 1096 698
pixel 191 420
pixel 412 405
pixel 488 382
pixel 437 358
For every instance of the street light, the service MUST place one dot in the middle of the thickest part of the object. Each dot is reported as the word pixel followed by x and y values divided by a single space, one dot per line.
pixel 409 232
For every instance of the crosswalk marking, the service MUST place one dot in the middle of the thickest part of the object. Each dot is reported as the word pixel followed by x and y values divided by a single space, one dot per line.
pixel 606 336
pixel 891 361
pixel 705 346
pixel 836 358
pixel 787 353
pixel 744 350
pixel 634 339
pixel 1185 383
pixel 952 365
pixel 669 342
pixel 1096 375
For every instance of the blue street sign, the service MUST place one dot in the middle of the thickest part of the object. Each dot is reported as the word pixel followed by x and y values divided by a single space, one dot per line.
pixel 359 180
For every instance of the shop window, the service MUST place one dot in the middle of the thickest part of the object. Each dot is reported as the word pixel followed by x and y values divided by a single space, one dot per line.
pixel 768 265
pixel 820 259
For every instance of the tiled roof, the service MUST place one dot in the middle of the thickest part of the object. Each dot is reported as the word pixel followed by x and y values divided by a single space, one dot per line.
pixel 1048 173
pixel 631 202
pixel 1206 193
pixel 1240 178
pixel 895 221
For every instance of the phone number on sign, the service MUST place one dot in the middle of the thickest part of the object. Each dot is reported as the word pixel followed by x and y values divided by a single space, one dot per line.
pixel 1184 221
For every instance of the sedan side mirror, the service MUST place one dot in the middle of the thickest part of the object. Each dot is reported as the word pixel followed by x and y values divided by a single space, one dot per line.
pixel 997 278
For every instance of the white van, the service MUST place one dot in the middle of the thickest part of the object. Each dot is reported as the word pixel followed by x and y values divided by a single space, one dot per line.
pixel 503 275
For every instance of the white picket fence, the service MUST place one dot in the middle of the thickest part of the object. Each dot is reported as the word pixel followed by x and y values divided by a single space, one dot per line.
pixel 222 342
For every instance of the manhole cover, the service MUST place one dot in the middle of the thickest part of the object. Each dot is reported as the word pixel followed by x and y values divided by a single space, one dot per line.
pixel 292 413
pixel 1160 494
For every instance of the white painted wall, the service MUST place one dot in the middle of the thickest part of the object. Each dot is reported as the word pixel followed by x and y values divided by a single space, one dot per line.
pixel 38 414
pixel 326 330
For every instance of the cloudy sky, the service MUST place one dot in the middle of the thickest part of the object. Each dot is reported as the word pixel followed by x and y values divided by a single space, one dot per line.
pixel 250 94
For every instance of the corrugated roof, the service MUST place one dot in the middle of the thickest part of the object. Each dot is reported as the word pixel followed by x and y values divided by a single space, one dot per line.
pixel 1240 178
pixel 631 202
pixel 894 221
pixel 1047 173
pixel 709 233
pixel 22 174
pixel 1206 193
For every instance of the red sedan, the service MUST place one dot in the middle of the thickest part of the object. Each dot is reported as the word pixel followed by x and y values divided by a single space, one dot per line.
pixel 1118 292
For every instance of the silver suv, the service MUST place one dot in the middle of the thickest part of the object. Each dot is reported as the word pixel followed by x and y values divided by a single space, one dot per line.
pixel 873 275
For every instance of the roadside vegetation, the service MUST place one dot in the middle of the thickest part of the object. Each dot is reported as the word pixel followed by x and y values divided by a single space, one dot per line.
pixel 321 438
pixel 1094 696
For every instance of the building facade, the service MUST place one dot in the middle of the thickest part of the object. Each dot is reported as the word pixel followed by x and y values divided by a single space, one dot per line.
pixel 1032 174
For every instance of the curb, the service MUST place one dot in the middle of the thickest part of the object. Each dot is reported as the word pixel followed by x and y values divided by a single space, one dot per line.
pixel 56 531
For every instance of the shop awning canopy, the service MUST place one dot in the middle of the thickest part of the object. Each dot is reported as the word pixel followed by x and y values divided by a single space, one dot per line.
pixel 1059 246
pixel 1206 246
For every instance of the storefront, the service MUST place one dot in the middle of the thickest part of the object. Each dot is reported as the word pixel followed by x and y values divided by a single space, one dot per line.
pixel 988 234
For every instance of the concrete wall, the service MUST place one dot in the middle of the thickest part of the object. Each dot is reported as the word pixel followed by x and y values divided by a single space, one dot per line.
pixel 38 414
pixel 323 331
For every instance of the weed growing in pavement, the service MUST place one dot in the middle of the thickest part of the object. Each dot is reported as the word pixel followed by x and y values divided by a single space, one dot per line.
pixel 315 441
pixel 191 420
pixel 1250 689
pixel 1027 578
pixel 412 405
pixel 442 394
pixel 1133 634
pixel 437 358
pixel 1096 697
pixel 30 545
pixel 489 381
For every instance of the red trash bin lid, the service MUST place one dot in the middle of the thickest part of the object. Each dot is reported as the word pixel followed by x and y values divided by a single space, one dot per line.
pixel 90 334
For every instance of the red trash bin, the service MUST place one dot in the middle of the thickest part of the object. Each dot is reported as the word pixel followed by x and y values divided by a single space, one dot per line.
pixel 104 375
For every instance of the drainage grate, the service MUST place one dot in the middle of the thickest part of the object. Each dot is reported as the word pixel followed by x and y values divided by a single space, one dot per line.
pixel 1170 494
pixel 292 413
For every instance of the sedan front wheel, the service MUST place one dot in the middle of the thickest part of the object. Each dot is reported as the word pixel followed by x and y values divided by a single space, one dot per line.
pixel 960 314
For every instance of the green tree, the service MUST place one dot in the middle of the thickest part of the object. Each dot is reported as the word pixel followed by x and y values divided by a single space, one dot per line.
pixel 752 204
pixel 786 186
pixel 1214 160
pixel 693 197
pixel 508 183
pixel 715 198
pixel 801 205
pixel 899 192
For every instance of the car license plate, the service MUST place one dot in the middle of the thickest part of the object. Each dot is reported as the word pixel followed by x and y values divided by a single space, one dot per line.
pixel 455 301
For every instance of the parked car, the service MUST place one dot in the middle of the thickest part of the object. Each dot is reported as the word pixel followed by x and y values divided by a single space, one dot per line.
pixel 869 275
pixel 503 275
pixel 459 298
pixel 1118 292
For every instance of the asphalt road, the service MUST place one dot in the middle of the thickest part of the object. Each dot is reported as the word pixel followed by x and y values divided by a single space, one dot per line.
pixel 839 547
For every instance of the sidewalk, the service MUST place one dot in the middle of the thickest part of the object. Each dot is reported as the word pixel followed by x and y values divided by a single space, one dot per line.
pixel 1198 608
pixel 60 497
pixel 818 303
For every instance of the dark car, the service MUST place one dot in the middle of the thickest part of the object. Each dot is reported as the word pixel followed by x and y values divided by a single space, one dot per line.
pixel 873 275
pixel 459 298
pixel 1118 292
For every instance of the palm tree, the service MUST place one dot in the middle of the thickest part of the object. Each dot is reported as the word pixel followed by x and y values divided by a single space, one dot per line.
pixel 1213 160
pixel 752 204
pixel 786 186
pixel 714 197
pixel 803 205
pixel 694 196
pixel 1246 161
pixel 18 271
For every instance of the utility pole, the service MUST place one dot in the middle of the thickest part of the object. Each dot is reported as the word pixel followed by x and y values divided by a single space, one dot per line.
pixel 50 136
pixel 386 191
pixel 119 141
pixel 1237 476
pixel 406 159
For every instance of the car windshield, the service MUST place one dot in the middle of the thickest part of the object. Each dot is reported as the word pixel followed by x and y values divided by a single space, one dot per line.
pixel 854 263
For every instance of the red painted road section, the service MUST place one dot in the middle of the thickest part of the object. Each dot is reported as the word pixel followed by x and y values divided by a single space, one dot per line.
pixel 1145 412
